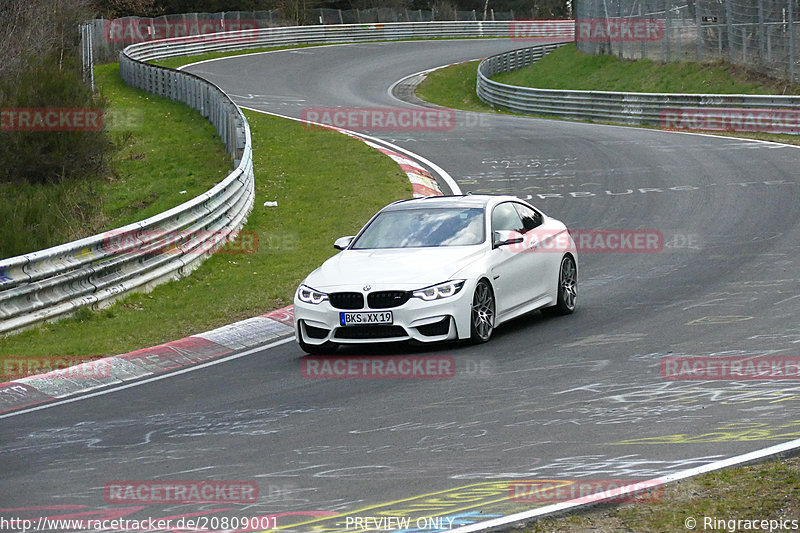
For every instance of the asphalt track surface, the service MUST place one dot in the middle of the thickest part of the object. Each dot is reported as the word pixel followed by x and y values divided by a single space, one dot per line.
pixel 578 397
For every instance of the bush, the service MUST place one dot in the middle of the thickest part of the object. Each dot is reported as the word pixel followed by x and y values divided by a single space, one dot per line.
pixel 39 157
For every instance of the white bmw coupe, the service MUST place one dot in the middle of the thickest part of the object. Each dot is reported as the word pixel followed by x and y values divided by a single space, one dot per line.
pixel 436 269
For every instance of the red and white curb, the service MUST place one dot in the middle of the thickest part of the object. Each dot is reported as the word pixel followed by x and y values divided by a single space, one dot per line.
pixel 422 183
pixel 168 357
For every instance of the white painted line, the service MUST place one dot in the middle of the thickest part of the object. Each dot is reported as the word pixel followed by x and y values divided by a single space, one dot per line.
pixel 630 489
pixel 433 166
pixel 787 299
pixel 150 380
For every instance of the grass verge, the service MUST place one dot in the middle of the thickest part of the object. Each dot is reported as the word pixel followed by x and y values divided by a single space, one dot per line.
pixel 454 86
pixel 165 154
pixel 566 68
pixel 765 491
pixel 326 185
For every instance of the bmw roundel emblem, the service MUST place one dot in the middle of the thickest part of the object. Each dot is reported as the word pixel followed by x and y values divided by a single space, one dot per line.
pixel 367 287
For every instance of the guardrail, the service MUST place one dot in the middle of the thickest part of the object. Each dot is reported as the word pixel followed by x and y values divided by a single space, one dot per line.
pixel 349 33
pixel 718 112
pixel 55 282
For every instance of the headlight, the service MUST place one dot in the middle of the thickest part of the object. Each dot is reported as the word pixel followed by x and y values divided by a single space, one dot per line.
pixel 442 290
pixel 310 296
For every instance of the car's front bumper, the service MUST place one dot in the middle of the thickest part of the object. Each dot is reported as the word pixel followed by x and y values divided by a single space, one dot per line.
pixel 418 320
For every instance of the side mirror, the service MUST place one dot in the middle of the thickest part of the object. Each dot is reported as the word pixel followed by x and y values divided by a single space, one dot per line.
pixel 504 237
pixel 343 242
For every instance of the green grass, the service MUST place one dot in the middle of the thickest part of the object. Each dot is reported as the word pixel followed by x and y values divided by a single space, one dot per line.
pixel 168 153
pixel 326 185
pixel 765 491
pixel 162 149
pixel 39 216
pixel 567 68
pixel 453 86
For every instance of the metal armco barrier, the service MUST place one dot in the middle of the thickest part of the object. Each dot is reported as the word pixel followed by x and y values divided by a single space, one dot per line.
pixel 715 110
pixel 55 282
pixel 348 33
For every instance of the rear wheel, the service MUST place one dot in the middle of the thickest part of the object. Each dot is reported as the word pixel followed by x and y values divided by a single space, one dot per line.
pixel 567 288
pixel 482 316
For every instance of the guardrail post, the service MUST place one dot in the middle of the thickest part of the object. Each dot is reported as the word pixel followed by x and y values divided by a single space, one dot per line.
pixel 791 40
pixel 667 30
pixel 744 46
pixel 729 26
pixel 761 30
pixel 87 54
pixel 644 42
pixel 698 22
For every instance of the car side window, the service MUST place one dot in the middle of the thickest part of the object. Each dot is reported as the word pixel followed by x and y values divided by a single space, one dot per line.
pixel 506 218
pixel 530 219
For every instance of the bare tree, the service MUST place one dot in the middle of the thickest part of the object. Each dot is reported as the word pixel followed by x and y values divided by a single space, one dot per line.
pixel 123 8
pixel 34 29
pixel 444 10
pixel 40 67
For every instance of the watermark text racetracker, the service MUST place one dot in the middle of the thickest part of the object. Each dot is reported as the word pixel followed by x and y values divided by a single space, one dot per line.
pixel 590 241
pixel 385 367
pixel 136 29
pixel 632 30
pixel 181 241
pixel 551 490
pixel 66 367
pixel 230 492
pixel 731 119
pixel 51 119
pixel 693 368
pixel 531 30
pixel 381 118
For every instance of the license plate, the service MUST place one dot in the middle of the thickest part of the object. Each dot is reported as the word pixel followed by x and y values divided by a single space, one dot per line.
pixel 361 319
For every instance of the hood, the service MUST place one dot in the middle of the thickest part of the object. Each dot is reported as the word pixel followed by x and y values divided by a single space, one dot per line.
pixel 398 269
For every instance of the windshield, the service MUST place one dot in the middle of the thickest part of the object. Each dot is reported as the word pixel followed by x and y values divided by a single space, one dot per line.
pixel 427 227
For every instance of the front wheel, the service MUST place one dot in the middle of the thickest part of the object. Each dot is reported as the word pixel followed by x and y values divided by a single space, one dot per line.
pixel 567 288
pixel 482 316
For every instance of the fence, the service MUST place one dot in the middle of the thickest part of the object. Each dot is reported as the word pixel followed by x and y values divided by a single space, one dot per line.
pixel 760 34
pixel 51 283
pixel 780 114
